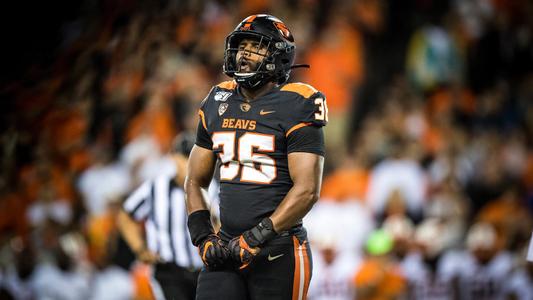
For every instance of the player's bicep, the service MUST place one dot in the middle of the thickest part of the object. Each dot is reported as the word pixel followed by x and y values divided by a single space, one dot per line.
pixel 200 167
pixel 306 170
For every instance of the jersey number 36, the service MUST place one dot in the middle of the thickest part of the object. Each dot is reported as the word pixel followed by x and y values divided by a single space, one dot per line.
pixel 246 158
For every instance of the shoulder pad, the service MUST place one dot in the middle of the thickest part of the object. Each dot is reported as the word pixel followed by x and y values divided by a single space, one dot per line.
pixel 305 90
pixel 228 85
pixel 307 107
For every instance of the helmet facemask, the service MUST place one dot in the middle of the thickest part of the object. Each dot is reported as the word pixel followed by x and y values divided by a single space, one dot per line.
pixel 262 71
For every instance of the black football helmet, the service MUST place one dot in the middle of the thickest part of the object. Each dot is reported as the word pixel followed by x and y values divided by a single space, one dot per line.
pixel 276 65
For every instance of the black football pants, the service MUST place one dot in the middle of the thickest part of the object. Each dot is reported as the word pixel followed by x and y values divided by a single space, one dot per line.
pixel 177 283
pixel 282 270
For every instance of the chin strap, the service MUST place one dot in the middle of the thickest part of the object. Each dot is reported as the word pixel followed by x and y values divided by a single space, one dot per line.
pixel 250 83
pixel 301 66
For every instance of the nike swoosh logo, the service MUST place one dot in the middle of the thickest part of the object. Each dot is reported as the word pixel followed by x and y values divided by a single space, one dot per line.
pixel 271 258
pixel 263 112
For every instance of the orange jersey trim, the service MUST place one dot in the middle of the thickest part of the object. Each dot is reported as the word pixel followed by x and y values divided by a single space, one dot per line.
pixel 202 117
pixel 228 85
pixel 297 126
pixel 301 88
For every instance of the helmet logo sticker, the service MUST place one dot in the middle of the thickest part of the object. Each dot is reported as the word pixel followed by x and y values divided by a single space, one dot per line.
pixel 248 22
pixel 222 108
pixel 222 96
pixel 245 107
pixel 283 30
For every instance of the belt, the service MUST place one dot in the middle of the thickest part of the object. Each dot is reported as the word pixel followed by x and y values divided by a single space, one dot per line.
pixel 291 231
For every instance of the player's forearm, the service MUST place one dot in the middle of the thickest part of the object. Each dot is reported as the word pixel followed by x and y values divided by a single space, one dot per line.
pixel 195 198
pixel 306 173
pixel 199 219
pixel 131 232
pixel 200 169
pixel 295 206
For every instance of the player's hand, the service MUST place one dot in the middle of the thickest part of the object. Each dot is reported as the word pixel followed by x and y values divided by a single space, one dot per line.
pixel 245 247
pixel 213 252
pixel 242 252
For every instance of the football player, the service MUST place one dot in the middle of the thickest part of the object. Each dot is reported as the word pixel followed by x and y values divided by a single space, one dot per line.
pixel 266 135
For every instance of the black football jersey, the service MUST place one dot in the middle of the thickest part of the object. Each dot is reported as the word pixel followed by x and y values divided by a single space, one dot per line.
pixel 252 140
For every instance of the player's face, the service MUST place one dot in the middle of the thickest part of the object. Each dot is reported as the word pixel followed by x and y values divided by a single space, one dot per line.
pixel 250 55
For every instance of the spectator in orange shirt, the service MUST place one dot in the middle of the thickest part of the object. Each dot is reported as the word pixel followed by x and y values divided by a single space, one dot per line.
pixel 379 277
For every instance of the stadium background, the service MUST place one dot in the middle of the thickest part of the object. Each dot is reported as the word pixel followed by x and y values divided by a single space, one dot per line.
pixel 431 123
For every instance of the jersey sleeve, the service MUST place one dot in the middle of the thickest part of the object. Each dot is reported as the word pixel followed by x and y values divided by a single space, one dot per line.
pixel 203 139
pixel 308 139
pixel 306 107
pixel 202 136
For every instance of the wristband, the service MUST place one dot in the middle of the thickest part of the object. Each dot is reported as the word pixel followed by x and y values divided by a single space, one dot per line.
pixel 261 233
pixel 199 223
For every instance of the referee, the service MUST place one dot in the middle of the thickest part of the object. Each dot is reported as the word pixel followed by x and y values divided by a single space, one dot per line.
pixel 160 205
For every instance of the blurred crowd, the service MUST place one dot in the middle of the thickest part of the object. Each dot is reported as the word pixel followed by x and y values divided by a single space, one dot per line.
pixel 428 186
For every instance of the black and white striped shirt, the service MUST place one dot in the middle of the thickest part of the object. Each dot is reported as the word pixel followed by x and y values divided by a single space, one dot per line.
pixel 161 203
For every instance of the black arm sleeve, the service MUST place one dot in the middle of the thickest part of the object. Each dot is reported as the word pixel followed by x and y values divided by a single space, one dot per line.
pixel 307 139
pixel 202 137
